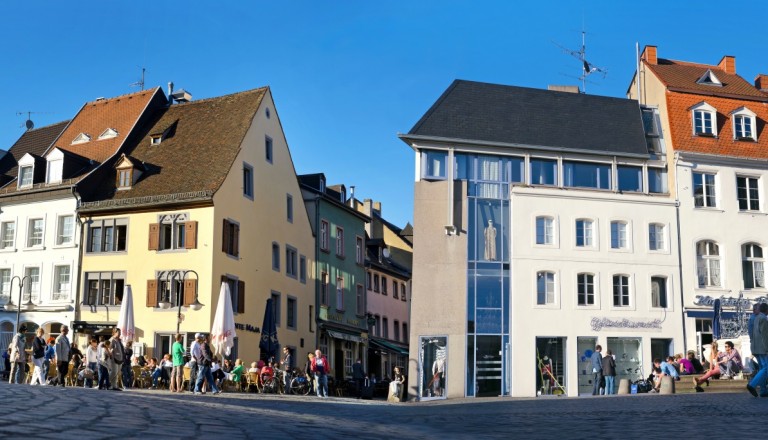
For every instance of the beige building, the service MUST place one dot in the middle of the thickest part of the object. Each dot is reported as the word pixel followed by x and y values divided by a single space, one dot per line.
pixel 206 194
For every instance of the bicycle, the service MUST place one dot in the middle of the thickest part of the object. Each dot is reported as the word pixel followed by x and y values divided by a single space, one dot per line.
pixel 300 385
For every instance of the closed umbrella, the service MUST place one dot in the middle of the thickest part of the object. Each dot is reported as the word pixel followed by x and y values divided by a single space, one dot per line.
pixel 223 332
pixel 268 343
pixel 716 321
pixel 125 323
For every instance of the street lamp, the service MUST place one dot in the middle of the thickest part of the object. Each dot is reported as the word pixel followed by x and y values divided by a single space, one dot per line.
pixel 170 278
pixel 9 306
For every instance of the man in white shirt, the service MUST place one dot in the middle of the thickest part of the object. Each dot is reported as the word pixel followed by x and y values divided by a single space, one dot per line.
pixel 92 360
pixel 195 354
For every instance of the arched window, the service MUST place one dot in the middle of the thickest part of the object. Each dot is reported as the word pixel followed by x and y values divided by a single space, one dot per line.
pixel 708 263
pixel 752 265
pixel 586 289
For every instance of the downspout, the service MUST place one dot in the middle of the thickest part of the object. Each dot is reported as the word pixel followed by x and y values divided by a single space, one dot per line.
pixel 80 255
pixel 318 281
pixel 679 248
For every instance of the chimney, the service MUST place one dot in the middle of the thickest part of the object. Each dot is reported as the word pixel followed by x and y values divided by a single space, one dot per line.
pixel 649 55
pixel 352 196
pixel 170 92
pixel 377 207
pixel 761 82
pixel 728 64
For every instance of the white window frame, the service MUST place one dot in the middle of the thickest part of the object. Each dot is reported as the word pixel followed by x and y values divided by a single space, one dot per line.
pixel 705 195
pixel 23 182
pixel 339 241
pixel 589 232
pixel 178 231
pixel 59 293
pixel 749 199
pixel 7 243
pixel 55 170
pixel 550 297
pixel 325 232
pixel 594 295
pixel 666 295
pixel 657 237
pixel 756 264
pixel 627 236
pixel 704 110
pixel 60 236
pixel 30 232
pixel 622 295
pixel 30 289
pixel 709 271
pixel 548 230
pixel 359 250
pixel 5 283
pixel 738 117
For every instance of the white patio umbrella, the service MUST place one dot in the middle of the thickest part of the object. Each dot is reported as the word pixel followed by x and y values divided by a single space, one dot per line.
pixel 223 332
pixel 125 322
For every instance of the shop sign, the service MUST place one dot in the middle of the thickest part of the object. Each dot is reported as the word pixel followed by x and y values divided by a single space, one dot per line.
pixel 247 328
pixel 730 301
pixel 338 317
pixel 624 323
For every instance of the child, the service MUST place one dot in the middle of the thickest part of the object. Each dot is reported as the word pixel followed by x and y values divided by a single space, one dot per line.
pixel 106 353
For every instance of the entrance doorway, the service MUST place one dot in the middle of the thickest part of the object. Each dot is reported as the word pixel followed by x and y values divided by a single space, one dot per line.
pixel 584 348
pixel 488 366
pixel 550 366
pixel 661 348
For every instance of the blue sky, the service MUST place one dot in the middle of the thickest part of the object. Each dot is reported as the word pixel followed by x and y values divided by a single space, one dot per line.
pixel 347 76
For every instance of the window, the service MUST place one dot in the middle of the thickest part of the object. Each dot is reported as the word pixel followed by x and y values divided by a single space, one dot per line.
pixel 396 329
pixel 545 230
pixel 394 289
pixel 276 307
pixel 752 265
pixel 748 193
pixel 659 292
pixel 376 282
pixel 708 263
pixel 656 239
pixel 586 175
pixel 620 291
pixel 248 181
pixel 584 233
pixel 339 293
pixel 434 164
pixel 704 190
pixel 7 235
pixel 275 257
pixel 32 286
pixel 339 241
pixel 303 269
pixel 586 289
pixel 107 235
pixel 383 285
pixel 360 298
pixel 324 288
pixel 385 327
pixel 291 262
pixel 291 310
pixel 545 288
pixel 630 178
pixel 124 178
pixel 289 208
pixel 231 239
pixel 35 232
pixel 61 282
pixel 65 230
pixel 172 235
pixel 324 231
pixel 25 176
pixel 405 332
pixel 377 327
pixel 5 283
pixel 359 249
pixel 619 235
pixel 704 117
pixel 657 180
pixel 543 172
pixel 368 284
pixel 236 293
pixel 744 124
pixel 55 168
pixel 175 232
pixel 402 292
pixel 105 288
pixel 652 132
pixel 268 148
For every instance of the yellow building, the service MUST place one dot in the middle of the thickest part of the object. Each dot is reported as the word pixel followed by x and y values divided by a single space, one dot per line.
pixel 207 193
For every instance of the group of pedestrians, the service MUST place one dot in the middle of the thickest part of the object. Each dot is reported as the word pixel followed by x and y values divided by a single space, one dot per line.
pixel 57 351
pixel 603 372
pixel 758 336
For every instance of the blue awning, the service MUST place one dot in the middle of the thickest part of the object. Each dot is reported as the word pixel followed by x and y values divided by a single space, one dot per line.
pixel 710 314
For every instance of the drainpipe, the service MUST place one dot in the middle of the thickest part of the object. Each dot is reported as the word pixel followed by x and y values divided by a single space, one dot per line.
pixel 679 247
pixel 81 253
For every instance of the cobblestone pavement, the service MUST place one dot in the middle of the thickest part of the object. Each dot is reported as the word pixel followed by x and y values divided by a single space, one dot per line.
pixel 91 414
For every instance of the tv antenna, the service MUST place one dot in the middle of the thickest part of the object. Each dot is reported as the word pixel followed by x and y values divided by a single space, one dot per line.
pixel 587 68
pixel 29 124
pixel 139 83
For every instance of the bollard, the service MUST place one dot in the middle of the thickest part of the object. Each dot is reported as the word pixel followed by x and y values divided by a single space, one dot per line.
pixel 667 385
pixel 624 386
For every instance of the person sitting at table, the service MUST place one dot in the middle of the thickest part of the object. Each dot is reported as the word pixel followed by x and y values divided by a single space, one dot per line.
pixel 236 375
pixel 254 368
pixel 266 373
pixel 218 373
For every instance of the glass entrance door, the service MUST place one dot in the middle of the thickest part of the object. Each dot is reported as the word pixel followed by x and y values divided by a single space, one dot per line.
pixel 488 366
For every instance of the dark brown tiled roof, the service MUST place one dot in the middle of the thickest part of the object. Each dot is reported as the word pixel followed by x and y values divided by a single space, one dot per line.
pixel 683 76
pixel 35 142
pixel 197 153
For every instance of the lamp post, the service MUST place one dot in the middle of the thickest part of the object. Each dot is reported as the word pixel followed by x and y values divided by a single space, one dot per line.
pixel 170 278
pixel 27 306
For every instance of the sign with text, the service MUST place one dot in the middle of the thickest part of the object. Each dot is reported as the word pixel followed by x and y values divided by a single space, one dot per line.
pixel 599 324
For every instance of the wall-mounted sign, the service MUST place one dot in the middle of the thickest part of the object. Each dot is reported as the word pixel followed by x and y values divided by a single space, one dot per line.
pixel 247 328
pixel 624 323
pixel 728 301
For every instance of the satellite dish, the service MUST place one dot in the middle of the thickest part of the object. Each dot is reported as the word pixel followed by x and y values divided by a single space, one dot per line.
pixel 385 252
pixel 30 125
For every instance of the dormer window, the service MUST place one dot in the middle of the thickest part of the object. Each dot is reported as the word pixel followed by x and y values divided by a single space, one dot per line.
pixel 709 79
pixel 108 134
pixel 55 168
pixel 704 120
pixel 155 139
pixel 127 172
pixel 124 178
pixel 25 176
pixel 744 124
pixel 81 139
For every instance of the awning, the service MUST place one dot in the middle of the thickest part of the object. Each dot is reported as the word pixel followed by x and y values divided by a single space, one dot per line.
pixel 344 336
pixel 92 327
pixel 709 314
pixel 388 346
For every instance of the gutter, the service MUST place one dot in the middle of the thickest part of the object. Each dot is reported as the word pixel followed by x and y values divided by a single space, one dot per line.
pixel 80 252
pixel 679 248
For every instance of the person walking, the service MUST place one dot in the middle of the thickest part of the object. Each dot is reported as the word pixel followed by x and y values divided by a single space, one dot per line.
pixel 759 347
pixel 358 375
pixel 104 355
pixel 92 361
pixel 286 363
pixel 320 368
pixel 116 359
pixel 204 362
pixel 194 355
pixel 609 372
pixel 38 357
pixel 597 370
pixel 18 355
pixel 177 374
pixel 62 349
pixel 125 368
pixel 308 370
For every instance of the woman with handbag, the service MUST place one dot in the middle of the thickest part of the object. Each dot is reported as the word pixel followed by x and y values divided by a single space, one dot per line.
pixel 38 357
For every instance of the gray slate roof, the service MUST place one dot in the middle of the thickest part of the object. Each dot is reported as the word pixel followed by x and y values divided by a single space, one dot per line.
pixel 520 116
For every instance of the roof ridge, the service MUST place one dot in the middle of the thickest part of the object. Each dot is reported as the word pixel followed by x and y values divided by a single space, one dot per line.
pixel 51 125
pixel 214 98
pixel 691 63
pixel 141 92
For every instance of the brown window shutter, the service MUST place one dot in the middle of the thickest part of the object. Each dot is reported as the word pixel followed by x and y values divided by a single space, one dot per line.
pixel 152 293
pixel 191 235
pixel 241 297
pixel 154 236
pixel 190 291
pixel 225 238
pixel 236 245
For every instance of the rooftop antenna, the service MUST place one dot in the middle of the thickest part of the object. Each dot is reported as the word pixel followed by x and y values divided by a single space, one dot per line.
pixel 28 124
pixel 587 68
pixel 140 83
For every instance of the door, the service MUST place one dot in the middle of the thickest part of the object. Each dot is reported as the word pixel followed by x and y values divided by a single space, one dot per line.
pixel 488 366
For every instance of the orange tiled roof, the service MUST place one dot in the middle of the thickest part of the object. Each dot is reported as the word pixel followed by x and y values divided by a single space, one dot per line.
pixel 682 76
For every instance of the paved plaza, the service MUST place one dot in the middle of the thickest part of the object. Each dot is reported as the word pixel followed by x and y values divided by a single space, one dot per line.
pixel 56 413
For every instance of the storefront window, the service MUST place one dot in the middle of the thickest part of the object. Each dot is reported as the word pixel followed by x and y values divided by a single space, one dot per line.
pixel 585 347
pixel 433 359
pixel 629 361
pixel 550 374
